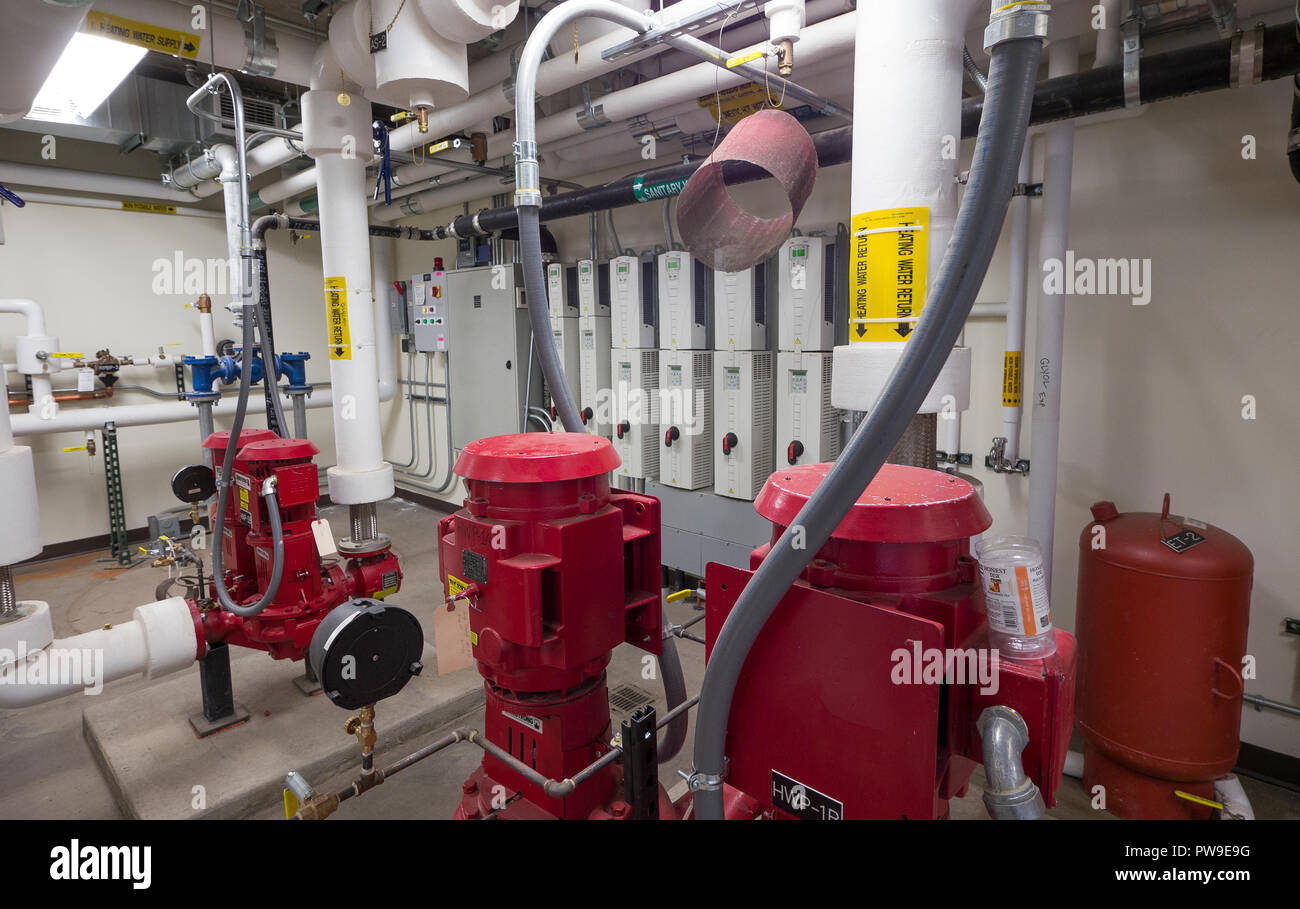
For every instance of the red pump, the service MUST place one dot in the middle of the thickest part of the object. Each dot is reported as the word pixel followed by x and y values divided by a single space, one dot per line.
pixel 309 587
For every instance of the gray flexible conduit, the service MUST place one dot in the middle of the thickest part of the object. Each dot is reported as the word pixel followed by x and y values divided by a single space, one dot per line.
pixel 530 253
pixel 670 669
pixel 1001 139
pixel 223 500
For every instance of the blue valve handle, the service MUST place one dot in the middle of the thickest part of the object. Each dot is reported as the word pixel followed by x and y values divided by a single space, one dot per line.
pixel 11 196
pixel 385 177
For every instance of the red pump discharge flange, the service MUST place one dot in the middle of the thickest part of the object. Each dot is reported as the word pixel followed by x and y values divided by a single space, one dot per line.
pixel 310 587
pixel 556 571
pixel 859 698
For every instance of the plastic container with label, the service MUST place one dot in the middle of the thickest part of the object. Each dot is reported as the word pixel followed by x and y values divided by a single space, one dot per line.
pixel 1015 597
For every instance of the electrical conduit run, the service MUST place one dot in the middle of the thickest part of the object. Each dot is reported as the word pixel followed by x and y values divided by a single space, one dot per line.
pixel 998 149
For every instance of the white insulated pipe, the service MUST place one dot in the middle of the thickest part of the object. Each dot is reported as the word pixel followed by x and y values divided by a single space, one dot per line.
pixel 232 202
pixel 79 181
pixel 108 204
pixel 84 419
pixel 553 75
pixel 160 639
pixel 1109 40
pixel 223 40
pixel 337 135
pixel 383 258
pixel 1017 293
pixel 1043 385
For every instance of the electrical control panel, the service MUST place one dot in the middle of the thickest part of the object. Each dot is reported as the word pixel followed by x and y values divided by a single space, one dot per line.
pixel 633 302
pixel 561 291
pixel 742 422
pixel 593 288
pixel 685 302
pixel 489 368
pixel 807 426
pixel 686 418
pixel 398 308
pixel 741 307
pixel 568 345
pixel 806 293
pixel 635 411
pixel 427 311
pixel 594 363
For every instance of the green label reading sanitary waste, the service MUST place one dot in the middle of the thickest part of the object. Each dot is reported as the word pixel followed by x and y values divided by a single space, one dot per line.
pixel 644 193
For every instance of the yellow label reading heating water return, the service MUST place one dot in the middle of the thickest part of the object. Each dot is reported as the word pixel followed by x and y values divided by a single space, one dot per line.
pixel 338 332
pixel 143 34
pixel 888 273
pixel 1011 379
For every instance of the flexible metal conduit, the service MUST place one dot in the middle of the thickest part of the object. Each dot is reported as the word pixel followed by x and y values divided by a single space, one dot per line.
pixel 974 239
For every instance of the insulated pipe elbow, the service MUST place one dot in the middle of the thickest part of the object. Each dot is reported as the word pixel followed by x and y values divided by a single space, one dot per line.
pixel 1009 795
pixel 28 309
pixel 160 639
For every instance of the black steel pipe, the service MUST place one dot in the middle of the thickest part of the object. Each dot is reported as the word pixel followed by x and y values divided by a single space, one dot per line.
pixel 1202 68
pixel 1189 71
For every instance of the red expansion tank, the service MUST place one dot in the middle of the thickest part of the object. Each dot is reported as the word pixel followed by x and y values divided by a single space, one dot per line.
pixel 1163 607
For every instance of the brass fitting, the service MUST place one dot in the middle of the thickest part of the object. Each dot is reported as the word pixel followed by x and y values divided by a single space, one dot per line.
pixel 204 303
pixel 363 727
pixel 422 117
pixel 318 807
pixel 785 57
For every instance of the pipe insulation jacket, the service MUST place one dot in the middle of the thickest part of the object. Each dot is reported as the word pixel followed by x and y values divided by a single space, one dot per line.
pixel 997 154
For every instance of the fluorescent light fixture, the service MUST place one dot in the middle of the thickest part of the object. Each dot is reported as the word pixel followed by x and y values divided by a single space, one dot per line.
pixel 86 74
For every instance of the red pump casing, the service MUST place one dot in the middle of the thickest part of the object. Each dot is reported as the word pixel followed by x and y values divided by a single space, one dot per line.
pixel 309 588
pixel 556 571
pixel 834 698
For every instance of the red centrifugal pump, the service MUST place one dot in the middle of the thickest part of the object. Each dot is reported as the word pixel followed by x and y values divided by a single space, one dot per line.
pixel 842 710
pixel 556 571
pixel 310 587
pixel 1163 609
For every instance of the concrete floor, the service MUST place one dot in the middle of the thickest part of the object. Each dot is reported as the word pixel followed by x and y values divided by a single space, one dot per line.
pixel 50 773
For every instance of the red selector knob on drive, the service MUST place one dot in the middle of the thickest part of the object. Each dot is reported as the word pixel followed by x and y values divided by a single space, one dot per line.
pixel 671 436
pixel 793 452
pixel 624 427
pixel 586 415
pixel 729 441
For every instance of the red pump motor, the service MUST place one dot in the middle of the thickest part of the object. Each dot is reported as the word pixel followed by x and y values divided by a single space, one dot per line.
pixel 556 571
pixel 309 588
pixel 861 695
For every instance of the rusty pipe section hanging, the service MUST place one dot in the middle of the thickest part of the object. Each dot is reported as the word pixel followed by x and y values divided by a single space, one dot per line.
pixel 714 227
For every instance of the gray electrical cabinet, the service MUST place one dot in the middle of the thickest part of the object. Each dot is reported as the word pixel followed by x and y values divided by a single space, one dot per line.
pixel 487 356
pixel 427 311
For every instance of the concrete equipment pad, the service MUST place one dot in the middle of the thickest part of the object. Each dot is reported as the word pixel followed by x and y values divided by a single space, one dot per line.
pixel 157 767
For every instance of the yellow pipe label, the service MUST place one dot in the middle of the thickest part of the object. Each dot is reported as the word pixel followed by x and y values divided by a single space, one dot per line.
pixel 439 146
pixel 338 330
pixel 888 280
pixel 733 62
pixel 156 208
pixel 1011 379
pixel 75 448
pixel 67 355
pixel 142 34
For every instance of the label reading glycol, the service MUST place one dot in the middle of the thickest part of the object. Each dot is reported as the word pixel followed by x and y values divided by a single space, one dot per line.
pixel 1016 599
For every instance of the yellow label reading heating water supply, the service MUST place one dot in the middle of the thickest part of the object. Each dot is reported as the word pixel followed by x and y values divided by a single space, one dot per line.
pixel 143 34
pixel 889 269
pixel 338 332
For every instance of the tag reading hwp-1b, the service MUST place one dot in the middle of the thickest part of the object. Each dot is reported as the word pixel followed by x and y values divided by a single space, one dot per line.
pixel 804 802
pixel 889 273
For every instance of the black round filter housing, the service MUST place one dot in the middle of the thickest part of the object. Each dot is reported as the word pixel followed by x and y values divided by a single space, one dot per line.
pixel 195 483
pixel 365 651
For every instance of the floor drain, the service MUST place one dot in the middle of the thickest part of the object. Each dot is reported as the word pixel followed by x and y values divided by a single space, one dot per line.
pixel 626 698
